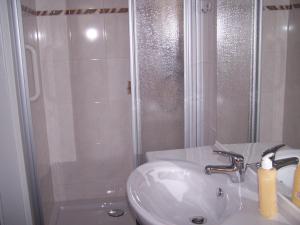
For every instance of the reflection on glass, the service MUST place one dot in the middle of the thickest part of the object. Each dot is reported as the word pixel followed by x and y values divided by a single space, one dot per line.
pixel 91 34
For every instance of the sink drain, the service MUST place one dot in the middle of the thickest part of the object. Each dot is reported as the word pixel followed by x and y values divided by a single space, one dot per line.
pixel 115 212
pixel 198 220
pixel 220 192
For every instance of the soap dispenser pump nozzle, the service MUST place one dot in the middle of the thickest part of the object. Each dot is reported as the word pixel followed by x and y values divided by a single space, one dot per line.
pixel 267 162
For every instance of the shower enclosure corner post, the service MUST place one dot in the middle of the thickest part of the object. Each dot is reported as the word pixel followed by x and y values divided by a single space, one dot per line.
pixel 16 27
pixel 192 79
pixel 254 118
pixel 135 95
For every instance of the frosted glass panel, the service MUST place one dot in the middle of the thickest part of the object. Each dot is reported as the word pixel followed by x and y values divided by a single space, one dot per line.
pixel 161 73
pixel 234 68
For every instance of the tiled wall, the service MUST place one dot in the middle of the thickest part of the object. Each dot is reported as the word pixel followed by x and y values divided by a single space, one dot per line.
pixel 280 111
pixel 38 113
pixel 84 60
pixel 56 79
pixel 273 73
pixel 291 128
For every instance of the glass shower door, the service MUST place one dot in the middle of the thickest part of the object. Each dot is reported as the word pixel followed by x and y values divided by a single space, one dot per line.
pixel 160 59
pixel 235 57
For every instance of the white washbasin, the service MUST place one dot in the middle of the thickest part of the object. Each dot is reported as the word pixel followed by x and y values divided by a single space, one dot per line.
pixel 174 192
pixel 285 175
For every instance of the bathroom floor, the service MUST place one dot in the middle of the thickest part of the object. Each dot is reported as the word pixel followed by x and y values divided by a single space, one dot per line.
pixel 91 212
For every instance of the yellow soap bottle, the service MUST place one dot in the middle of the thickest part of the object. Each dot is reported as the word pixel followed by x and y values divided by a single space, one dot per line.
pixel 296 189
pixel 267 188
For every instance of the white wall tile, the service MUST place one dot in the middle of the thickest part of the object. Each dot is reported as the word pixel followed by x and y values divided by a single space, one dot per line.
pixel 53 38
pixel 83 4
pixel 59 111
pixel 115 3
pixel 117 35
pixel 87 37
pixel 88 110
pixel 273 73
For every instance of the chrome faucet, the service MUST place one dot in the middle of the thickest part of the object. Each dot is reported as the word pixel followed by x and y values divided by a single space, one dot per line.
pixel 285 162
pixel 280 162
pixel 236 170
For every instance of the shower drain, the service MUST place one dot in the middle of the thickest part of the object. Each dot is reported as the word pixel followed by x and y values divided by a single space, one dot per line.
pixel 198 220
pixel 115 212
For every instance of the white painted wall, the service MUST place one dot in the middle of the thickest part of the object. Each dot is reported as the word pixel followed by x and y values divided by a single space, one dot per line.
pixel 14 198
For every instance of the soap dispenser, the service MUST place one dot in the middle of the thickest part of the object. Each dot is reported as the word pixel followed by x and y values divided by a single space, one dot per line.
pixel 296 189
pixel 267 187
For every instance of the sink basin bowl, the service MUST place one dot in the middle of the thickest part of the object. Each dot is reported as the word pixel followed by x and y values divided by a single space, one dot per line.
pixel 176 192
pixel 285 175
pixel 172 190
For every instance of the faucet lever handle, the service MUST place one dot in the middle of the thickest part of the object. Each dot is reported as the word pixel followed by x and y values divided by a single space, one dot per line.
pixel 285 162
pixel 273 149
pixel 232 155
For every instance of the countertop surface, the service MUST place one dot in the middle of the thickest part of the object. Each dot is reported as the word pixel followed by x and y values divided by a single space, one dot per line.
pixel 251 151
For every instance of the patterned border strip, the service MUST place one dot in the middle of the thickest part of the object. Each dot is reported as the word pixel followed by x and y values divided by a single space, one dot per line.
pixel 30 11
pixel 33 12
pixel 282 7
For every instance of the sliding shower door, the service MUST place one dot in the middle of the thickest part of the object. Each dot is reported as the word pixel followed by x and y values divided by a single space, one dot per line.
pixel 216 41
pixel 160 65
pixel 235 69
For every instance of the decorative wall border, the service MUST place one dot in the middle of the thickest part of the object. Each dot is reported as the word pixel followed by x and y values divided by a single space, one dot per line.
pixel 58 12
pixel 282 7
pixel 91 11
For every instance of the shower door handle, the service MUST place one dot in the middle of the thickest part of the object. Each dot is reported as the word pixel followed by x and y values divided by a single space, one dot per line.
pixel 129 87
pixel 37 90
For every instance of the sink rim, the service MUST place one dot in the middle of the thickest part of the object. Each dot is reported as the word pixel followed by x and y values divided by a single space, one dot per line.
pixel 139 210
pixel 143 213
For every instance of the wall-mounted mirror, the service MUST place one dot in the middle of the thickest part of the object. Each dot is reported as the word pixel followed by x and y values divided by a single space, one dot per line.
pixel 280 73
pixel 190 64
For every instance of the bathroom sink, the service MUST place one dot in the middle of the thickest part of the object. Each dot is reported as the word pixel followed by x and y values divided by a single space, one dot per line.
pixel 285 175
pixel 180 193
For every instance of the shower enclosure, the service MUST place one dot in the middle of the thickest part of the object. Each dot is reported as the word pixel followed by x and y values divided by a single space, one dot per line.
pixel 101 82
pixel 78 75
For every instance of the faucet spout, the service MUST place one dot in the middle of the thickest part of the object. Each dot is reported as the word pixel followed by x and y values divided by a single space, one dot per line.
pixel 236 170
pixel 285 162
pixel 209 169
pixel 280 162
pixel 236 175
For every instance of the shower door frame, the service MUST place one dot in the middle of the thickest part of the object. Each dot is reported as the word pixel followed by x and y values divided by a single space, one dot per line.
pixel 29 149
pixel 255 87
pixel 193 78
pixel 15 202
